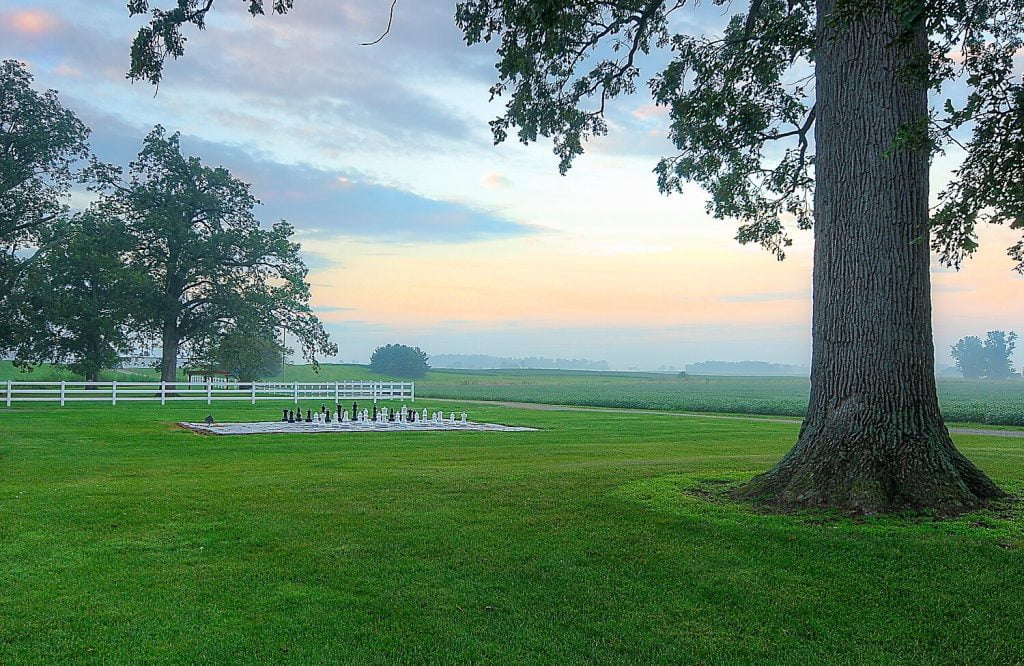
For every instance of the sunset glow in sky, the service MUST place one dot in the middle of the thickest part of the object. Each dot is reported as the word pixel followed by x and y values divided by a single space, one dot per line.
pixel 418 230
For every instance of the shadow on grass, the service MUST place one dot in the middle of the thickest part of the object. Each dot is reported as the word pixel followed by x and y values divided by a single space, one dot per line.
pixel 705 498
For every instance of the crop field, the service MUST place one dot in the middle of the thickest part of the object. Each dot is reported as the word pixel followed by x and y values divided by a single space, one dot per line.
pixel 962 400
pixel 125 539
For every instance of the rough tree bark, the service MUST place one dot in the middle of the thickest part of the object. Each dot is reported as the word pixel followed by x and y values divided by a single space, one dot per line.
pixel 169 353
pixel 873 439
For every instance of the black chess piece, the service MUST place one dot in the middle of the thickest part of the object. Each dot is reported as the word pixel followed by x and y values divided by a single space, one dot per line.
pixel 291 416
pixel 391 416
pixel 327 415
pixel 309 416
pixel 323 408
pixel 284 416
pixel 375 412
pixel 355 409
pixel 208 419
pixel 412 416
pixel 339 411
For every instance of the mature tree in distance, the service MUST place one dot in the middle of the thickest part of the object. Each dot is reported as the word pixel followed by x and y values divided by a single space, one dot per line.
pixel 82 297
pixel 969 355
pixel 815 113
pixel 249 355
pixel 989 359
pixel 399 361
pixel 210 263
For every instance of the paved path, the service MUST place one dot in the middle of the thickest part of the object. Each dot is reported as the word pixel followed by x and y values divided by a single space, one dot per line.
pixel 571 408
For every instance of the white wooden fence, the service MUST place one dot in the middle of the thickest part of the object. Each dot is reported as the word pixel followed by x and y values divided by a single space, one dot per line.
pixel 113 392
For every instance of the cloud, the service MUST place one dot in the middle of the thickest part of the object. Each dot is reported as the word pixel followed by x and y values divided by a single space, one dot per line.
pixel 323 205
pixel 304 72
pixel 650 110
pixel 494 179
pixel 31 22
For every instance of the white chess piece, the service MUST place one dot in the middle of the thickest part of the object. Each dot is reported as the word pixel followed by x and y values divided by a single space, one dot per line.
pixel 344 416
pixel 464 417
pixel 451 417
pixel 424 413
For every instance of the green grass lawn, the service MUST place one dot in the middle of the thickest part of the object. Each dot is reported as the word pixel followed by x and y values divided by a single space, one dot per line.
pixel 126 539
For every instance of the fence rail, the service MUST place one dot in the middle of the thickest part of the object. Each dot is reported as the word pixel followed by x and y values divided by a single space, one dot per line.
pixel 64 392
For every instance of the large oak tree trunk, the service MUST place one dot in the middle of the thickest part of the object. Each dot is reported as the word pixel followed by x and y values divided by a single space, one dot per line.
pixel 169 354
pixel 873 439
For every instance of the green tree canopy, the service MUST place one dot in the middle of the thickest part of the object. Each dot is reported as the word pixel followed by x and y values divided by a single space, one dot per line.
pixel 83 296
pixel 399 361
pixel 40 143
pixel 991 358
pixel 249 355
pixel 210 263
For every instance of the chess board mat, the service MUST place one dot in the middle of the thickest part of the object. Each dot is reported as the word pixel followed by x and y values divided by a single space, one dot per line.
pixel 276 427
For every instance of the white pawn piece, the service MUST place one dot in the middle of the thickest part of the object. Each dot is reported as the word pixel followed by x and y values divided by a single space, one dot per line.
pixel 316 418
pixel 344 416
pixel 451 418
pixel 366 415
pixel 464 417
pixel 424 413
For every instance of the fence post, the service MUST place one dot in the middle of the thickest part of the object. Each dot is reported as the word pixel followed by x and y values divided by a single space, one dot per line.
pixel 412 391
pixel 295 393
pixel 252 386
pixel 8 392
pixel 209 391
pixel 163 393
pixel 375 387
pixel 337 394
pixel 62 393
pixel 113 393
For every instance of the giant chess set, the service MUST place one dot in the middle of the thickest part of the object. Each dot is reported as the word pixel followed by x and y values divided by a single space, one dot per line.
pixel 358 420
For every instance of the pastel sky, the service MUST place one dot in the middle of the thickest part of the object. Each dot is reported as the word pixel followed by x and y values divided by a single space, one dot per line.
pixel 418 230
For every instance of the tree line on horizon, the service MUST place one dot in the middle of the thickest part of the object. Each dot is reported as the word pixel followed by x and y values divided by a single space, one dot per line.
pixel 169 250
pixel 488 362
